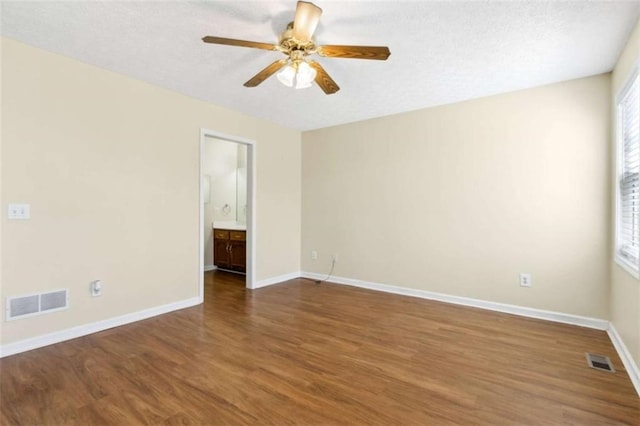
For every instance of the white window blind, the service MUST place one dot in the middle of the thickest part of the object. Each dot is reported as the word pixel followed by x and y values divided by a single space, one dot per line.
pixel 628 217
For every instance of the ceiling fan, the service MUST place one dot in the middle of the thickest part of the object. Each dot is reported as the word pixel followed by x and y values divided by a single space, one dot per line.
pixel 297 43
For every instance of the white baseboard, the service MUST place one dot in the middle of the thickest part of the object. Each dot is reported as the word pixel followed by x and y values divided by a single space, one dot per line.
pixel 208 268
pixel 629 364
pixel 599 324
pixel 276 280
pixel 83 330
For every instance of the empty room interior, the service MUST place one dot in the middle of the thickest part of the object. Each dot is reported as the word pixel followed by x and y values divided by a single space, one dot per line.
pixel 270 212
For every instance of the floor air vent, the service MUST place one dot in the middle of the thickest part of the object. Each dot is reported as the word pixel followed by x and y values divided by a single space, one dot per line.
pixel 36 304
pixel 600 362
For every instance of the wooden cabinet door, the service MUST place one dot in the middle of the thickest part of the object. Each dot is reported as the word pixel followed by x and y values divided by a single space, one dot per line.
pixel 221 257
pixel 230 249
pixel 238 256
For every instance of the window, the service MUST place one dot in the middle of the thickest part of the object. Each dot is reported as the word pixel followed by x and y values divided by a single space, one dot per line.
pixel 628 182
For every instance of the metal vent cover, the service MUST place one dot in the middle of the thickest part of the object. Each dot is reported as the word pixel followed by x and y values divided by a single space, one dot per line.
pixel 24 306
pixel 600 362
pixel 53 300
pixel 36 304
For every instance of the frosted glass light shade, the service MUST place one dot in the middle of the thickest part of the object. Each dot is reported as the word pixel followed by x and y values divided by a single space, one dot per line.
pixel 287 75
pixel 306 74
pixel 302 85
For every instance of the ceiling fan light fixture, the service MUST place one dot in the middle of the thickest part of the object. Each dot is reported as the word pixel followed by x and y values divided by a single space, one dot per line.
pixel 298 74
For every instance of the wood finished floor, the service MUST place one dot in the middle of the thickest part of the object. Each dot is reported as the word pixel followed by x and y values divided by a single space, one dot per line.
pixel 300 353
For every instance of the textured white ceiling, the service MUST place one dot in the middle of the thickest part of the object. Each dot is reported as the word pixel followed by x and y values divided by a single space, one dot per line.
pixel 441 52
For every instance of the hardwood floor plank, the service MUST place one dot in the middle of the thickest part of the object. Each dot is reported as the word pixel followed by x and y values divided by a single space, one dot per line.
pixel 301 353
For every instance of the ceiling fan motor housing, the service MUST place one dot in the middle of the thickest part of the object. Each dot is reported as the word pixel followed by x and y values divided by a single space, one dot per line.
pixel 288 44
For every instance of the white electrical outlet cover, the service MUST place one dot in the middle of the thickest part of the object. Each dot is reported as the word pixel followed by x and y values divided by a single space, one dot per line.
pixel 18 211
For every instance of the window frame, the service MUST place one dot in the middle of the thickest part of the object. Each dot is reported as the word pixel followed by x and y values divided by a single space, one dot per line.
pixel 623 261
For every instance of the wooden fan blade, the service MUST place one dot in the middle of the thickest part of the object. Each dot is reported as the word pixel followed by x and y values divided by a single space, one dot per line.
pixel 356 52
pixel 241 43
pixel 266 73
pixel 306 20
pixel 323 80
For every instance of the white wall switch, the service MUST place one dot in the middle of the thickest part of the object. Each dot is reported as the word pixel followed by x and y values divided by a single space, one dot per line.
pixel 96 288
pixel 314 255
pixel 525 280
pixel 19 211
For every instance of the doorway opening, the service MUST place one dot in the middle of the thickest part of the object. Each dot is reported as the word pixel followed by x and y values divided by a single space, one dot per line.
pixel 227 200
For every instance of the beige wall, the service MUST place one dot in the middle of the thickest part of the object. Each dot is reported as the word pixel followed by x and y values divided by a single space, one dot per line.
pixel 110 166
pixel 625 289
pixel 2 296
pixel 460 199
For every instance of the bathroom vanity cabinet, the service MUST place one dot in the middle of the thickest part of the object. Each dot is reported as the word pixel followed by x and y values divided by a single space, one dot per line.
pixel 230 249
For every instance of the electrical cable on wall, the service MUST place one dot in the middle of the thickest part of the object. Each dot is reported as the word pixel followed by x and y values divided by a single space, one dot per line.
pixel 333 264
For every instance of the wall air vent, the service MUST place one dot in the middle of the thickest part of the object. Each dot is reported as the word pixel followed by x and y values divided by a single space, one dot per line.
pixel 600 362
pixel 36 304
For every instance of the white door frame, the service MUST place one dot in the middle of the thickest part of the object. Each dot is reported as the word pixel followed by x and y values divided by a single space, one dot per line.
pixel 251 198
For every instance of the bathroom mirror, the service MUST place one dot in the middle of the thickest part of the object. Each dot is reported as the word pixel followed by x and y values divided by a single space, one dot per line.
pixel 241 185
pixel 224 183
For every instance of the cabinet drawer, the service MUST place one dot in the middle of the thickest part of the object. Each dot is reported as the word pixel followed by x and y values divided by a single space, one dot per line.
pixel 238 235
pixel 220 234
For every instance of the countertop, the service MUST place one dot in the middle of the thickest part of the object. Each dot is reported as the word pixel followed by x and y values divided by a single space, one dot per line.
pixel 231 225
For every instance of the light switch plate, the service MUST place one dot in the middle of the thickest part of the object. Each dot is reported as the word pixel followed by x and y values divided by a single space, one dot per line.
pixel 18 212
